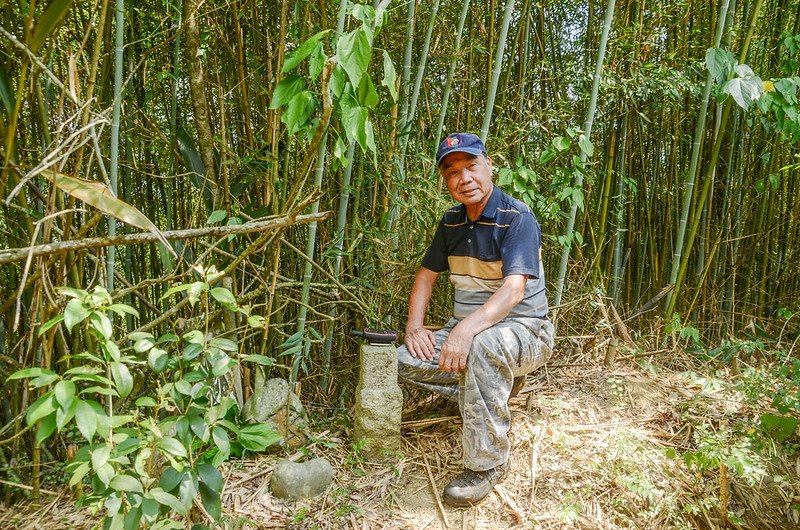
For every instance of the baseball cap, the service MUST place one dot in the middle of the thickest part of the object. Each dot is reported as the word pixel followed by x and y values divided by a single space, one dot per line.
pixel 460 142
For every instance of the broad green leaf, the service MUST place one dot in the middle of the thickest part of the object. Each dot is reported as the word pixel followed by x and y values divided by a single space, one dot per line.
pixel 100 456
pixel 259 359
pixel 79 473
pixel 65 415
pixel 172 446
pixel 354 50
pixel 65 393
pixel 296 56
pixel 194 337
pixel 298 111
pixel 123 309
pixel 546 156
pixel 6 92
pixel 211 501
pixel 101 197
pixel 561 143
pixel 139 335
pixel 586 145
pixel 157 360
pixel 221 439
pixel 720 63
pixel 354 119
pixel 102 324
pixel 223 295
pixel 744 90
pixel 50 323
pixel 224 344
pixel 188 489
pixel 257 437
pixel 370 139
pixel 86 419
pixel 170 478
pixel 168 499
pixel 122 378
pixel 284 91
pixel 125 483
pixel 144 344
pixel 75 313
pixel 216 216
pixel 191 351
pixel 46 428
pixel 338 81
pixel 199 427
pixel 367 95
pixel 211 477
pixel 195 290
pixel 317 61
pixel 173 290
pixel 43 380
pixel 742 70
pixel 104 391
pixel 105 473
pixel 44 406
pixel 47 23
pixel 30 372
pixel 389 75
pixel 146 401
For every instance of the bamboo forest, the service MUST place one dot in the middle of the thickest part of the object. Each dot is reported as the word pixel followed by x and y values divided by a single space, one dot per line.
pixel 212 214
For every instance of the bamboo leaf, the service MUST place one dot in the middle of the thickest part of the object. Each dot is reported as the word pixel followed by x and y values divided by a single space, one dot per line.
pixel 65 393
pixel 6 93
pixel 30 372
pixel 42 407
pixel 53 14
pixel 101 197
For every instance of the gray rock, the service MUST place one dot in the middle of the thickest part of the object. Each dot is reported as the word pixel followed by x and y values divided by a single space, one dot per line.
pixel 268 404
pixel 379 402
pixel 301 481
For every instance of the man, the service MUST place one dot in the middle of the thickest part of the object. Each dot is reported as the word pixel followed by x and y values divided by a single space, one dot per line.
pixel 491 244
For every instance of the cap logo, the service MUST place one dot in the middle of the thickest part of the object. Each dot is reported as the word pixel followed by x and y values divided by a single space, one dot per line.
pixel 452 141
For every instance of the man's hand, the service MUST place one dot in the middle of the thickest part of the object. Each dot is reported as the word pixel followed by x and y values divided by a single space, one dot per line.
pixel 420 343
pixel 455 350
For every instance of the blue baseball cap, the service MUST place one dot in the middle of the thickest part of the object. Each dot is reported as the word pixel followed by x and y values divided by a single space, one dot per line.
pixel 460 143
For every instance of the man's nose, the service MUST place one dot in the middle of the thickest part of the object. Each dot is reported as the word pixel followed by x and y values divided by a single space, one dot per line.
pixel 465 175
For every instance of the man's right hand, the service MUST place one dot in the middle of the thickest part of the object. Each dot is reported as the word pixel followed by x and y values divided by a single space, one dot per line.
pixel 421 343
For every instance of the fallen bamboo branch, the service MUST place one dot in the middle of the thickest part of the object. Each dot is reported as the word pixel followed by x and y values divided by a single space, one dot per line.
pixel 435 491
pixel 28 488
pixel 17 254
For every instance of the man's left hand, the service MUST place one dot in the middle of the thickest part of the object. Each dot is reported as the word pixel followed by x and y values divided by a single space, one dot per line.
pixel 453 357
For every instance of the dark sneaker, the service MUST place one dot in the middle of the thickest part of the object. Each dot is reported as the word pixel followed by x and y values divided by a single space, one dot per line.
pixel 517 386
pixel 470 487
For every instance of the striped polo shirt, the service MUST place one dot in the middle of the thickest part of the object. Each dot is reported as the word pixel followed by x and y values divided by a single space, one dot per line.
pixel 506 239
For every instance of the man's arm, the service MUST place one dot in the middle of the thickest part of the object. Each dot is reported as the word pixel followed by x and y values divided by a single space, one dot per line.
pixel 456 348
pixel 420 341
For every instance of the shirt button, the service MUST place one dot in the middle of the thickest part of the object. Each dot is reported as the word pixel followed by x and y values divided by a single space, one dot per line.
pixel 469 241
pixel 471 227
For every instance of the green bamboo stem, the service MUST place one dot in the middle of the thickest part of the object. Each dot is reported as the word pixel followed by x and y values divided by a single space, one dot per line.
pixel 113 170
pixel 498 65
pixel 587 130
pixel 712 163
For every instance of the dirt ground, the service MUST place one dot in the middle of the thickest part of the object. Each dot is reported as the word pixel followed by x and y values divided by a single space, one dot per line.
pixel 592 448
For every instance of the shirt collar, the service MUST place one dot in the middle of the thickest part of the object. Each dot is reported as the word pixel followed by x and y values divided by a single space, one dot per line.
pixel 490 210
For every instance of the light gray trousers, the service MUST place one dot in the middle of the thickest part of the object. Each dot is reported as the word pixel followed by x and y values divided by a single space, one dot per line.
pixel 510 348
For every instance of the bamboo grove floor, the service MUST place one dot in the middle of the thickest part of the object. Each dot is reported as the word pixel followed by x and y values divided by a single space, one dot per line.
pixel 591 449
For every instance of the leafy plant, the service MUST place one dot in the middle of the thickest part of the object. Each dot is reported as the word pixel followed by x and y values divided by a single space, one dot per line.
pixel 161 454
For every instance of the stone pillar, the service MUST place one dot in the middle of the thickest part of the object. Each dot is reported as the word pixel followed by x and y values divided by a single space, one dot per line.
pixel 379 402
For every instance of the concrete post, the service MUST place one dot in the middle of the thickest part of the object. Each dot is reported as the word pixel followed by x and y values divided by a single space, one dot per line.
pixel 379 402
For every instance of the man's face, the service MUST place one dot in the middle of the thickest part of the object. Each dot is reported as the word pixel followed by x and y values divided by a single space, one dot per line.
pixel 468 178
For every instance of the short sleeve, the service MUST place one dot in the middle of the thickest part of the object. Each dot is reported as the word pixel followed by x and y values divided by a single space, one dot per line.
pixel 521 245
pixel 436 257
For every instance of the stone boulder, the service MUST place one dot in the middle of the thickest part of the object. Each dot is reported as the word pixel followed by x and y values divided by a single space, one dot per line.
pixel 272 403
pixel 295 481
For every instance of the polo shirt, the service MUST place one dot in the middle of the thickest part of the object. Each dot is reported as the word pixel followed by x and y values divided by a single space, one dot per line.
pixel 506 239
